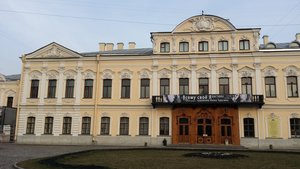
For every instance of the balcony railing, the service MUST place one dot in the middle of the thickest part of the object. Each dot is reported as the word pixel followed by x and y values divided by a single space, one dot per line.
pixel 209 99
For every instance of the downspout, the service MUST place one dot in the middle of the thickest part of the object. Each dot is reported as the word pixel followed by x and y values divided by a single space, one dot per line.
pixel 23 58
pixel 96 100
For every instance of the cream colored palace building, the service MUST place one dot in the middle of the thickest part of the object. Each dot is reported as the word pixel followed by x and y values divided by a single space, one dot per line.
pixel 205 82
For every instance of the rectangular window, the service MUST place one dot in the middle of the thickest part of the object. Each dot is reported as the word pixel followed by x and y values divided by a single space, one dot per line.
pixel 244 45
pixel 165 47
pixel 34 90
pixel 223 45
pixel 88 88
pixel 124 126
pixel 203 46
pixel 107 84
pixel 144 126
pixel 164 126
pixel 183 86
pixel 86 126
pixel 292 86
pixel 51 88
pixel 270 85
pixel 203 86
pixel 183 47
pixel 67 123
pixel 295 127
pixel 246 85
pixel 145 88
pixel 105 124
pixel 69 88
pixel 48 125
pixel 164 86
pixel 125 91
pixel 30 125
pixel 249 127
pixel 224 85
pixel 9 102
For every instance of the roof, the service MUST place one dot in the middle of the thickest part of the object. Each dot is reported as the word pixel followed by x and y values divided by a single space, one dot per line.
pixel 13 77
pixel 129 52
pixel 278 45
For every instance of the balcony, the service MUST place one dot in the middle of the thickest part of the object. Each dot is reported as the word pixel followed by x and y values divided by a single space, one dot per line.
pixel 245 100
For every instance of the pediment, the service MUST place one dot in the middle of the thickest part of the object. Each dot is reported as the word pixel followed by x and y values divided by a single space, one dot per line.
pixel 53 50
pixel 204 23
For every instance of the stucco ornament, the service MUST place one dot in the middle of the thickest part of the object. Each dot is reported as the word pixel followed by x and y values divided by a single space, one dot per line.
pixel 202 23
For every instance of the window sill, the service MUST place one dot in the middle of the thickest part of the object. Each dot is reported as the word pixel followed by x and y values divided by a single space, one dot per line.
pixel 68 97
pixel 163 136
pixel 124 135
pixel 87 98
pixel 65 134
pixel 294 138
pixel 143 135
pixel 50 98
pixel 28 134
pixel 106 98
pixel 104 135
pixel 84 135
pixel 46 134
pixel 274 138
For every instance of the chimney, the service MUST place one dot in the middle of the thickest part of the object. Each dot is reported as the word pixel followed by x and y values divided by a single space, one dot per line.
pixel 131 45
pixel 120 45
pixel 102 46
pixel 265 39
pixel 109 47
pixel 298 37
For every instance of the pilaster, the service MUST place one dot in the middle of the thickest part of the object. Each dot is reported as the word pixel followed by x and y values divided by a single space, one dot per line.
pixel 174 79
pixel 60 85
pixel 193 78
pixel 213 68
pixel 78 85
pixel 43 85
pixel 155 80
pixel 235 79
pixel 258 78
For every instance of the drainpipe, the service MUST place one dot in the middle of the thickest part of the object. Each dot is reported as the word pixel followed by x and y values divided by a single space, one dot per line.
pixel 96 99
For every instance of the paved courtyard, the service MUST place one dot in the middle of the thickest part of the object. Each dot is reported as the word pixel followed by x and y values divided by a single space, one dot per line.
pixel 12 153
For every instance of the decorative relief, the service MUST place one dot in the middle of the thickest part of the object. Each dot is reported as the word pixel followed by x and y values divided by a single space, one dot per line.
pixel 104 114
pixel 291 71
pixel 213 66
pixel 145 74
pixel 52 74
pixel 10 93
pixel 273 126
pixel 203 73
pixel 70 74
pixel 183 73
pixel 124 115
pixel 269 71
pixel 248 115
pixel 295 115
pixel 35 74
pixel 202 23
pixel 246 72
pixel 89 74
pixel 164 73
pixel 53 52
pixel 50 100
pixel 107 74
pixel 224 72
pixel 126 74
pixel 68 100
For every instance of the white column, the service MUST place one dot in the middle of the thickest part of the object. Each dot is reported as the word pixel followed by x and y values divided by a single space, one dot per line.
pixel 235 79
pixel 258 78
pixel 193 79
pixel 154 81
pixel 60 85
pixel 213 68
pixel 174 79
pixel 43 86
pixel 25 89
pixel 78 86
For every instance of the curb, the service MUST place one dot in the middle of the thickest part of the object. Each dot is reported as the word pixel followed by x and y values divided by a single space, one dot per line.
pixel 17 167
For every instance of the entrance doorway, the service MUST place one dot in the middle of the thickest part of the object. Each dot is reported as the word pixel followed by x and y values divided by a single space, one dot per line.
pixel 184 136
pixel 226 134
pixel 204 135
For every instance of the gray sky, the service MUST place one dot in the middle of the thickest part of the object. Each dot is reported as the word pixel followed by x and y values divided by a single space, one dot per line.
pixel 26 25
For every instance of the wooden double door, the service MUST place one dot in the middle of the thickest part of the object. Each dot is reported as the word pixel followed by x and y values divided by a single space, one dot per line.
pixel 205 127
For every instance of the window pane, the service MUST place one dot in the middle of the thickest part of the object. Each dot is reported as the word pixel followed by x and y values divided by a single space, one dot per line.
pixel 34 89
pixel 164 126
pixel 88 88
pixel 165 47
pixel 105 125
pixel 69 88
pixel 107 86
pixel 125 90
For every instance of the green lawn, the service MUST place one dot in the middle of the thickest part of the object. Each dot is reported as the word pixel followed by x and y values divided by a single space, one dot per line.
pixel 163 159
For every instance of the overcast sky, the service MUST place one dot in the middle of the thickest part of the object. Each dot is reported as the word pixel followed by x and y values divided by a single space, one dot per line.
pixel 26 25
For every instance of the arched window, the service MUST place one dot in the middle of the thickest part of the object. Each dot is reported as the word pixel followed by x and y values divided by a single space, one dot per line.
pixel 183 47
pixel 249 127
pixel 295 127
pixel 144 126
pixel 164 126
pixel 124 126
pixel 105 125
pixel 165 47
pixel 244 45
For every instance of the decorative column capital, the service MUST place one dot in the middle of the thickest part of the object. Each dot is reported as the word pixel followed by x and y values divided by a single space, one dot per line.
pixel 257 65
pixel 234 66
pixel 174 67
pixel 154 67
pixel 193 66
pixel 213 66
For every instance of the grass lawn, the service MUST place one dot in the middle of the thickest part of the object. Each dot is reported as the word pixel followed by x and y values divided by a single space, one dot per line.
pixel 163 159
